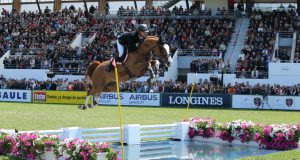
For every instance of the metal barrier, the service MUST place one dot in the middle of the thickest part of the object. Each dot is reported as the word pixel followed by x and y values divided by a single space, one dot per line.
pixel 248 75
pixel 199 52
pixel 17 51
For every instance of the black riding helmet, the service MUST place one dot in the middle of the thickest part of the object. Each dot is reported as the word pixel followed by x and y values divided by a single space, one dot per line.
pixel 142 28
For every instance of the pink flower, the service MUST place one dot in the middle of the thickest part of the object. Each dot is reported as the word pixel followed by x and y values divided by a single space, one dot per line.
pixel 279 135
pixel 256 137
pixel 244 126
pixel 105 145
pixel 267 130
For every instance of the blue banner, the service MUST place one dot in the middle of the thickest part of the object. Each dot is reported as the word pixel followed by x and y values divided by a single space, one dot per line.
pixel 197 100
pixel 9 95
pixel 131 99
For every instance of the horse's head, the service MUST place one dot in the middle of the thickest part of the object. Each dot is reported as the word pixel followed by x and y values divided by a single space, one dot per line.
pixel 162 51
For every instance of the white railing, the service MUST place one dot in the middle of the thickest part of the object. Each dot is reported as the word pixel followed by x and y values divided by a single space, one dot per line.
pixel 101 134
pixel 133 134
pixel 158 131
pixel 293 47
pixel 276 47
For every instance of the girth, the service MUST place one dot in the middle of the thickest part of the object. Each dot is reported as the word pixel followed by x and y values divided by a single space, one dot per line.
pixel 130 74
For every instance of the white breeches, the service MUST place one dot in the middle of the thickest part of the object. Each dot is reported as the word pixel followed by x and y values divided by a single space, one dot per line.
pixel 120 49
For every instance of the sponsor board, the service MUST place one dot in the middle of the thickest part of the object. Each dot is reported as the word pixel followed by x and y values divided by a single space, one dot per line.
pixel 10 95
pixel 170 99
pixel 269 102
pixel 132 99
pixel 61 97
pixel 284 102
pixel 247 101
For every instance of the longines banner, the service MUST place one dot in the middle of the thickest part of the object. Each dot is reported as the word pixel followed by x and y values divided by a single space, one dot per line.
pixel 284 102
pixel 197 100
pixel 132 99
pixel 10 95
pixel 60 97
pixel 248 102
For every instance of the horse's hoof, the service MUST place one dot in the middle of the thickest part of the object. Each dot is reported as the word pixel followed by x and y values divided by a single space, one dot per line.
pixel 82 107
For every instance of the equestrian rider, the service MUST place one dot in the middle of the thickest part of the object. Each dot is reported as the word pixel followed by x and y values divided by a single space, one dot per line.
pixel 129 42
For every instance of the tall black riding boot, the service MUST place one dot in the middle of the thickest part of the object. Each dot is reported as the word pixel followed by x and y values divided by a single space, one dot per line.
pixel 109 67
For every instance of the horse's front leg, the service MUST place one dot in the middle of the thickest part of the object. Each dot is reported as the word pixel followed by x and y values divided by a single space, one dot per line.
pixel 153 70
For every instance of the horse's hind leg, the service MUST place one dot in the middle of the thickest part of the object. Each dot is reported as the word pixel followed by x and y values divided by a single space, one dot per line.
pixel 96 93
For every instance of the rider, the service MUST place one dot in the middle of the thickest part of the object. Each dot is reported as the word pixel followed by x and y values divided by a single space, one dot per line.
pixel 129 41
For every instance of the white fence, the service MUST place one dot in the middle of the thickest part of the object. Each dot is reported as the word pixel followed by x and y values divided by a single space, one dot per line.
pixel 133 134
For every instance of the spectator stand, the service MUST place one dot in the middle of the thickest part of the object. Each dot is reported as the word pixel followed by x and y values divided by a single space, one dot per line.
pixel 261 41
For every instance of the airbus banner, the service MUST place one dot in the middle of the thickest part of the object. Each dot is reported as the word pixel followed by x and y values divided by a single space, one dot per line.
pixel 10 95
pixel 197 100
pixel 130 99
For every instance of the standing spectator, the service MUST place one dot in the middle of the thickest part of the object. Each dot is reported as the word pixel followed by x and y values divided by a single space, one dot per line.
pixel 255 73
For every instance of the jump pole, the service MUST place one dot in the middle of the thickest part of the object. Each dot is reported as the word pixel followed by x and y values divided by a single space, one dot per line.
pixel 189 99
pixel 119 108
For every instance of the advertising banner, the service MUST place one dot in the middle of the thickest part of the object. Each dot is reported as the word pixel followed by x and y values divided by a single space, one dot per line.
pixel 9 95
pixel 60 97
pixel 197 100
pixel 284 102
pixel 131 99
pixel 248 102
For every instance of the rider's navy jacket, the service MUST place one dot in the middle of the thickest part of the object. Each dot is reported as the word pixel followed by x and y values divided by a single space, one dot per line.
pixel 130 40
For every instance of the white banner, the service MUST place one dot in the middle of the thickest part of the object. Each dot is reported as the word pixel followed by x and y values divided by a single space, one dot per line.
pixel 248 102
pixel 130 99
pixel 10 95
pixel 284 102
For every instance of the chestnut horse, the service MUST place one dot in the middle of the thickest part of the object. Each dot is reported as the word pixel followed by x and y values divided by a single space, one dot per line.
pixel 136 65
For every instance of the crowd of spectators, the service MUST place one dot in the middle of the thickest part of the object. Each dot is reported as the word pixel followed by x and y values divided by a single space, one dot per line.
pixel 41 41
pixel 203 87
pixel 259 43
pixel 209 66
pixel 283 55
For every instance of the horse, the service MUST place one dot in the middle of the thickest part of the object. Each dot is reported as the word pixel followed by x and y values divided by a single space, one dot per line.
pixel 136 64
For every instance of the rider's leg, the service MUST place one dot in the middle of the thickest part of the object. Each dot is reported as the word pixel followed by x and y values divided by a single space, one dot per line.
pixel 119 58
pixel 120 49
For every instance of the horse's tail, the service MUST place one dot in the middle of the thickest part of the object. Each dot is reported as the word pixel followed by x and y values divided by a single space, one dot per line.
pixel 89 74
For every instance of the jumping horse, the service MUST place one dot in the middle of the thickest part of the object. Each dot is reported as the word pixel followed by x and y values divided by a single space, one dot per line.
pixel 98 79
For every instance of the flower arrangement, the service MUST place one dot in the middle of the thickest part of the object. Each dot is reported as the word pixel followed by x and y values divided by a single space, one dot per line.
pixel 83 150
pixel 278 137
pixel 26 145
pixel 242 129
pixel 202 127
pixel 32 146
pixel 7 143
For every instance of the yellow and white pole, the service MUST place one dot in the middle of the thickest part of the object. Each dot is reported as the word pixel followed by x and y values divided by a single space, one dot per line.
pixel 120 111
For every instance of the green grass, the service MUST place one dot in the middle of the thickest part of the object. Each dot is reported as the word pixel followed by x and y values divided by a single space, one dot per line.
pixel 287 155
pixel 28 116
